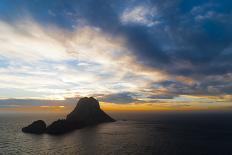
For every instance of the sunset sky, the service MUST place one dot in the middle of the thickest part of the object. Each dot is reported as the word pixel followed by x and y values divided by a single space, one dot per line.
pixel 130 55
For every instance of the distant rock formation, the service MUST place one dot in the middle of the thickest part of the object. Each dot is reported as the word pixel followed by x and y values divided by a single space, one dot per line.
pixel 86 113
pixel 37 127
pixel 61 126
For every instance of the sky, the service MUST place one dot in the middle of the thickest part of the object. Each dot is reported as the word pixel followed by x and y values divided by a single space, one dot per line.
pixel 129 54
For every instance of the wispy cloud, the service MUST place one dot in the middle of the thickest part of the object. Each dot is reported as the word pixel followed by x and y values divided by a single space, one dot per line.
pixel 141 14
pixel 54 63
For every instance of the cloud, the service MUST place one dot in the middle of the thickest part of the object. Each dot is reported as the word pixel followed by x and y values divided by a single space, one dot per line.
pixel 210 86
pixel 143 15
pixel 37 61
pixel 161 50
pixel 28 41
pixel 165 96
pixel 12 103
pixel 170 42
pixel 119 98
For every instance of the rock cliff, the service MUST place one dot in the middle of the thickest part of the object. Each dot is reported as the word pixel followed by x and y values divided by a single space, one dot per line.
pixel 87 112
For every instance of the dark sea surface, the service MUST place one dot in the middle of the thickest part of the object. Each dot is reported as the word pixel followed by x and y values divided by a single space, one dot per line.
pixel 134 133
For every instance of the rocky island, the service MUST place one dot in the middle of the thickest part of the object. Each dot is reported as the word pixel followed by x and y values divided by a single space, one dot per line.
pixel 86 113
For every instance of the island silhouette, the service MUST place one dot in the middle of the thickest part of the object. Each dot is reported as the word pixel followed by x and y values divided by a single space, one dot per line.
pixel 86 113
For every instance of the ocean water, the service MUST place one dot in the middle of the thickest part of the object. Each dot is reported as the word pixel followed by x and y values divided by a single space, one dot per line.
pixel 134 133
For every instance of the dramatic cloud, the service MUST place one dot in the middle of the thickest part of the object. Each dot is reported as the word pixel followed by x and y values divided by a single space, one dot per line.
pixel 128 51
pixel 83 62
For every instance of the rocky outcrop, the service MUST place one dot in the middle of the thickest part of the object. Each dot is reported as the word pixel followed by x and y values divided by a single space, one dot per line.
pixel 37 127
pixel 86 113
pixel 60 126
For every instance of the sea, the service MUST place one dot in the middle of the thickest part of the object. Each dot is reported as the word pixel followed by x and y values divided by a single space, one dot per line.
pixel 134 133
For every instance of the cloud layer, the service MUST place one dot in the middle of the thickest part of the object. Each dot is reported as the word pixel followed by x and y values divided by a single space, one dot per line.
pixel 121 52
